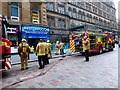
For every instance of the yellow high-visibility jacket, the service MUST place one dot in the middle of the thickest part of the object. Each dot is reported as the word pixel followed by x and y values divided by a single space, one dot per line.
pixel 40 49
pixel 61 46
pixel 85 47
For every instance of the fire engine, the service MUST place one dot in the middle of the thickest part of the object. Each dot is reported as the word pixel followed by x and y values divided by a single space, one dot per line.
pixel 5 46
pixel 97 41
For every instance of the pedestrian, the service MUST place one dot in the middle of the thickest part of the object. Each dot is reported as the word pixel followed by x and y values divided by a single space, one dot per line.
pixel 57 48
pixel 23 51
pixel 49 50
pixel 40 50
pixel 86 48
pixel 61 46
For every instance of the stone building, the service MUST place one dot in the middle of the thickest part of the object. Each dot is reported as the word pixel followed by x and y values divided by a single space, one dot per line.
pixel 26 20
pixel 62 15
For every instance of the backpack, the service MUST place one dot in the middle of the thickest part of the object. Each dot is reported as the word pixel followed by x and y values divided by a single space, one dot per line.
pixel 23 48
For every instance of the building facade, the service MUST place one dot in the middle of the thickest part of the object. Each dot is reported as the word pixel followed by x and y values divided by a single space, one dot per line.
pixel 26 20
pixel 63 15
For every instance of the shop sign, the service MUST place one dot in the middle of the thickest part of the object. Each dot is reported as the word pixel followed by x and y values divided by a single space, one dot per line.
pixel 35 30
pixel 13 30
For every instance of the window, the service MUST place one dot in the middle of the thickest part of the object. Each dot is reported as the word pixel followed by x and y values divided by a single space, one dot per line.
pixel 61 9
pixel 51 21
pixel 74 13
pixel 70 11
pixel 35 16
pixel 79 15
pixel 14 11
pixel 50 6
pixel 61 23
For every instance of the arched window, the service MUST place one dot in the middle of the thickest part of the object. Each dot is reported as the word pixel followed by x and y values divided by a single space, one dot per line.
pixel 70 11
pixel 14 10
pixel 74 13
pixel 79 15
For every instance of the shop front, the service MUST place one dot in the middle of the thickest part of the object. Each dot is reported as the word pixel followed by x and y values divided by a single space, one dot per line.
pixel 34 33
pixel 13 35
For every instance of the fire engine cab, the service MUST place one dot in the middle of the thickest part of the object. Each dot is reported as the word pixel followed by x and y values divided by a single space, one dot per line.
pixel 5 46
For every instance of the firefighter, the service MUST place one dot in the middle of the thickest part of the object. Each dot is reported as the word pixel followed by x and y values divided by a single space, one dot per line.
pixel 57 48
pixel 40 50
pixel 49 52
pixel 32 49
pixel 86 48
pixel 23 51
pixel 46 52
pixel 61 46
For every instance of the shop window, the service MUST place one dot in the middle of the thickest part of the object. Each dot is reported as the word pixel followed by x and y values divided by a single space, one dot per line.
pixel 35 16
pixel 14 11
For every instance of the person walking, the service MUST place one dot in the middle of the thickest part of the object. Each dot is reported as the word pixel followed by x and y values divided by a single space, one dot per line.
pixel 61 46
pixel 23 51
pixel 40 50
pixel 57 48
pixel 86 48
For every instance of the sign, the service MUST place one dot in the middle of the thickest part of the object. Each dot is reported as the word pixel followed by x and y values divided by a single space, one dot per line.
pixel 34 32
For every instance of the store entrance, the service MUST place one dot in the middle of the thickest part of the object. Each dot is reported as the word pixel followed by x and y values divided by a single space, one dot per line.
pixel 33 42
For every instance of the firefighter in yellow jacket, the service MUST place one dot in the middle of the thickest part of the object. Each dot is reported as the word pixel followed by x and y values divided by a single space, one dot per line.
pixel 86 48
pixel 23 51
pixel 40 50
pixel 61 46
pixel 49 50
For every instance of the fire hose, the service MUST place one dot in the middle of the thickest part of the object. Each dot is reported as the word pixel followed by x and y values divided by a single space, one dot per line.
pixel 40 74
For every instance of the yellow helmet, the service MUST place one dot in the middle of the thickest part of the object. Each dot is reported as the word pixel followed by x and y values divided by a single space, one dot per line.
pixel 23 40
pixel 48 41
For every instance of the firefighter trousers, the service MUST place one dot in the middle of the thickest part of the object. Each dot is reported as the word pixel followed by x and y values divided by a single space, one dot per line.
pixel 46 59
pixel 24 61
pixel 87 55
pixel 57 51
pixel 61 51
pixel 41 60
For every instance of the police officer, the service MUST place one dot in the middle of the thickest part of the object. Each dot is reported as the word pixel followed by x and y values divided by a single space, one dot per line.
pixel 86 48
pixel 23 51
pixel 40 50
pixel 61 46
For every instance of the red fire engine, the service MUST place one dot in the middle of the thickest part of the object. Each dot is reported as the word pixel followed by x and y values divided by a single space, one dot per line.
pixel 98 41
pixel 5 46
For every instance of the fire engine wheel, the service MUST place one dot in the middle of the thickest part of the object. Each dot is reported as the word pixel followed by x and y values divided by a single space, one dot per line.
pixel 100 50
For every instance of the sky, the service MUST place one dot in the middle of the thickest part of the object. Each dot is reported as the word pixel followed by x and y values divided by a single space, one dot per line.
pixel 116 6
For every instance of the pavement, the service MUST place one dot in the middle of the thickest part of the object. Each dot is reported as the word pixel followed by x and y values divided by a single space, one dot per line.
pixel 15 58
pixel 71 72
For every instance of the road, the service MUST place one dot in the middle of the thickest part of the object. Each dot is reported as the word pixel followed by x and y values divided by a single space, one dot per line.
pixel 71 72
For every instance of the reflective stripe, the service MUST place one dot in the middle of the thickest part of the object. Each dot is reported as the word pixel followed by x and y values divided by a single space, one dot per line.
pixel 4 43
pixel 40 54
pixel 72 46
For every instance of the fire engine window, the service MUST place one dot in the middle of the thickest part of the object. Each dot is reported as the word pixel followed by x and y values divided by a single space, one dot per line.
pixel 92 37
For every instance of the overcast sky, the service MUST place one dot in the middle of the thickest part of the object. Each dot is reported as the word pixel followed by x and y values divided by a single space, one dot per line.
pixel 116 6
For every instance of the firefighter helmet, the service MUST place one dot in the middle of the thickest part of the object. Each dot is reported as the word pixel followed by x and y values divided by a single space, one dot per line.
pixel 48 41
pixel 23 40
